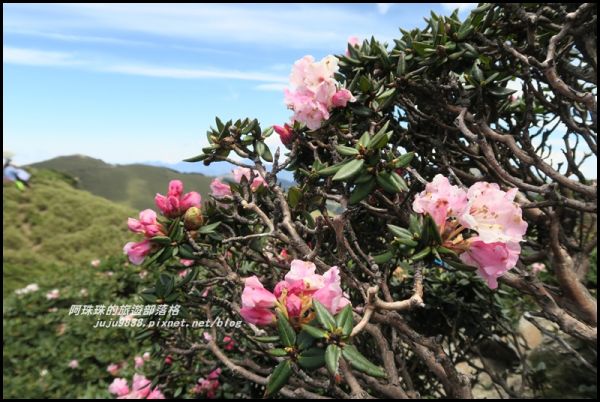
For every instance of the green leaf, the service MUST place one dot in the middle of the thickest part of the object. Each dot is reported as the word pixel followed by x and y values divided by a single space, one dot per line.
pixel 404 160
pixel 349 170
pixel 286 332
pixel 332 358
pixel 209 228
pixel 304 340
pixel 361 363
pixel 380 139
pixel 401 68
pixel 364 139
pixel 323 315
pixel 196 158
pixel 266 339
pixel 344 320
pixel 279 377
pixel 383 257
pixel 328 171
pixel 399 181
pixel 312 358
pixel 294 196
pixel 400 232
pixel 346 151
pixel 186 251
pixel 315 332
pixel 434 232
pixel 502 91
pixel 422 254
pixel 389 182
pixel 263 150
pixel 476 72
pixel 361 191
pixel 277 352
pixel 164 285
pixel 162 240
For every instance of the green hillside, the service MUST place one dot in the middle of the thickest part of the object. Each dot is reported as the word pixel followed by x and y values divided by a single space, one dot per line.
pixel 132 185
pixel 52 225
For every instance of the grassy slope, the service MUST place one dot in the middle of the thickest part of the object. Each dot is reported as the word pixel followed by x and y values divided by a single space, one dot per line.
pixel 132 185
pixel 52 226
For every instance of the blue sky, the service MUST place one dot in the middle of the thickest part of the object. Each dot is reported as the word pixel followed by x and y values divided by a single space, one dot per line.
pixel 130 83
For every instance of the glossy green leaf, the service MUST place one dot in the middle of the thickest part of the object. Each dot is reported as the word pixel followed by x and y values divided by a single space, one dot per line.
pixel 323 315
pixel 279 377
pixel 286 332
pixel 348 170
pixel 332 358
pixel 361 363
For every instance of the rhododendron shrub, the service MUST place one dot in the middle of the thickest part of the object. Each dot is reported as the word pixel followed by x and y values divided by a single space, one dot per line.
pixel 422 206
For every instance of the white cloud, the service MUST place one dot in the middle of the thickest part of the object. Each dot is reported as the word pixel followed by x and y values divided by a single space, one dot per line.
pixel 282 25
pixel 462 7
pixel 272 86
pixel 33 57
pixel 190 73
pixel 383 8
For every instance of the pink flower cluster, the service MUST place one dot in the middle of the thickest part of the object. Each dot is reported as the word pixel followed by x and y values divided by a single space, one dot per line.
pixel 208 386
pixel 220 189
pixel 485 209
pixel 315 91
pixel 294 295
pixel 175 203
pixel 229 343
pixel 140 389
pixel 149 227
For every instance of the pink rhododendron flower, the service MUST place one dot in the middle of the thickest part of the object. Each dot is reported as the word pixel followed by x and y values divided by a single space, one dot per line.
pixel 304 271
pixel 119 387
pixel 140 387
pixel 73 364
pixel 493 214
pixel 168 360
pixel 294 295
pixel 146 225
pixel 441 200
pixel 139 361
pixel 491 259
pixel 484 209
pixel 229 343
pixel 146 356
pixel 256 302
pixel 342 97
pixel 210 385
pixel 187 263
pixel 137 251
pixel 219 189
pixel 95 263
pixel 113 369
pixel 245 172
pixel 315 91
pixel 285 133
pixel 174 203
pixel 207 337
pixel 53 294
pixel 538 267
pixel 331 294
pixel 155 394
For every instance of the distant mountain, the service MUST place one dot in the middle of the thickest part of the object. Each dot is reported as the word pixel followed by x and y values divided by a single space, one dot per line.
pixel 133 185
pixel 216 169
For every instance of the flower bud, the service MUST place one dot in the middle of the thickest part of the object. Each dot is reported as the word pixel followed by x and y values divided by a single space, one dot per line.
pixel 193 218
